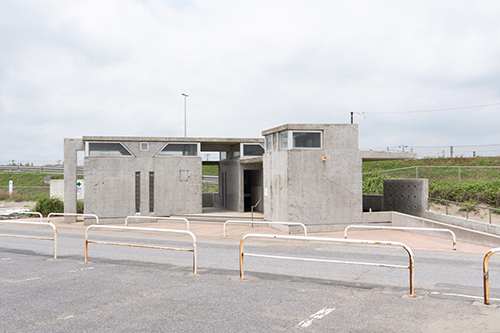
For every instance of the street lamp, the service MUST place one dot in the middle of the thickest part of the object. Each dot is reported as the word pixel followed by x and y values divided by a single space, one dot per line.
pixel 185 96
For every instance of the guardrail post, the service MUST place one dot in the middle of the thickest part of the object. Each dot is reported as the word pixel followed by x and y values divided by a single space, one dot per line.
pixel 486 275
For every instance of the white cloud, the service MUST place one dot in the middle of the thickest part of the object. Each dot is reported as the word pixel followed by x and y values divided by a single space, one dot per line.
pixel 69 69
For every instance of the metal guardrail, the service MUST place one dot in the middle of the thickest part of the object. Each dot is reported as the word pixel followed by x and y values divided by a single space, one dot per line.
pixel 34 213
pixel 454 238
pixel 157 218
pixel 43 224
pixel 467 207
pixel 486 274
pixel 263 222
pixel 87 241
pixel 72 214
pixel 335 240
pixel 40 169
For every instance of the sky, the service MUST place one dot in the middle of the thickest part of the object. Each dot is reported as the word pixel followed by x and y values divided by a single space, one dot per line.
pixel 118 68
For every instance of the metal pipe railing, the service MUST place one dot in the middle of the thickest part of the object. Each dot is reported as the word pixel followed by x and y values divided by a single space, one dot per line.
pixel 264 222
pixel 34 213
pixel 157 218
pixel 454 238
pixel 43 224
pixel 334 240
pixel 87 241
pixel 486 274
pixel 467 205
pixel 72 214
pixel 258 202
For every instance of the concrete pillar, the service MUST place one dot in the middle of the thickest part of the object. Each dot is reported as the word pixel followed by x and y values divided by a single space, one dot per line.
pixel 71 146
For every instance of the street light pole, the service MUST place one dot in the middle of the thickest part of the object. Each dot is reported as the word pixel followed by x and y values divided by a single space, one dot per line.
pixel 185 96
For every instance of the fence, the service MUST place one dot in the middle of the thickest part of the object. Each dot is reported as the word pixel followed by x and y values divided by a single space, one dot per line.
pixel 54 239
pixel 87 241
pixel 54 170
pixel 489 209
pixel 335 240
pixel 29 191
pixel 454 238
pixel 442 172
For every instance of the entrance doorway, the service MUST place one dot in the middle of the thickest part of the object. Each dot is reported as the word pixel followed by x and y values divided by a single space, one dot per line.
pixel 252 189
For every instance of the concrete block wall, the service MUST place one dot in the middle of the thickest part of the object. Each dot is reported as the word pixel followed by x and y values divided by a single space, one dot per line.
pixel 407 196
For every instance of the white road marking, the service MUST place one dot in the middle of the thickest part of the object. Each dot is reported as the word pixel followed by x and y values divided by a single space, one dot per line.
pixel 462 295
pixel 5 258
pixel 68 317
pixel 318 315
pixel 81 269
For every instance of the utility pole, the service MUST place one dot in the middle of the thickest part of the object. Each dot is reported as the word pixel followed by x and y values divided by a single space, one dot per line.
pixel 352 117
pixel 185 97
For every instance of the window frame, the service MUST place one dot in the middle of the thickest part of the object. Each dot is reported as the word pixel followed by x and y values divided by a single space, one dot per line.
pixel 290 140
pixel 198 149
pixel 242 150
pixel 87 149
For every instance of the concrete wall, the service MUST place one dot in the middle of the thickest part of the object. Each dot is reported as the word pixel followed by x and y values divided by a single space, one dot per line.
pixel 462 233
pixel 111 191
pixel 234 184
pixel 57 189
pixel 462 222
pixel 301 186
pixel 375 203
pixel 407 196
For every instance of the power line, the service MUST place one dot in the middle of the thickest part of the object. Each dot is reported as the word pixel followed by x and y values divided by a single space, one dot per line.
pixel 429 110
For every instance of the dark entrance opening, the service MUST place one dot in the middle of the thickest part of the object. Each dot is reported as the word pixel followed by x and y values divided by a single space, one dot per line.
pixel 252 189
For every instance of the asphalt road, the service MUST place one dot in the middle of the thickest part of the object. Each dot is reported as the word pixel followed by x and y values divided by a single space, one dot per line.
pixel 125 289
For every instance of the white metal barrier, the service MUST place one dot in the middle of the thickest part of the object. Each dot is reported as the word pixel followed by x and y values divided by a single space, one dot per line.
pixel 157 218
pixel 454 238
pixel 264 222
pixel 486 274
pixel 34 213
pixel 87 241
pixel 335 240
pixel 43 224
pixel 72 214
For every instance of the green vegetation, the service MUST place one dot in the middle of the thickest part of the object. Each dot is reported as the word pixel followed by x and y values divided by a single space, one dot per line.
pixel 22 179
pixel 477 185
pixel 46 205
pixel 210 170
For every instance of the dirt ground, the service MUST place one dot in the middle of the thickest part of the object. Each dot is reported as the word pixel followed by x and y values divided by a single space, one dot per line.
pixel 6 205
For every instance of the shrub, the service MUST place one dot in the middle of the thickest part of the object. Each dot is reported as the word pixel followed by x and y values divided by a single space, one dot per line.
pixel 79 207
pixel 46 205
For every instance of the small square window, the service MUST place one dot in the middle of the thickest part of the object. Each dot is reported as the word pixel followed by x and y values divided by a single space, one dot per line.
pixel 144 146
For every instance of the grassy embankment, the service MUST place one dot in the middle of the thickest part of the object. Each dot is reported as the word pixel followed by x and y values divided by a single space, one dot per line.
pixel 477 186
pixel 481 186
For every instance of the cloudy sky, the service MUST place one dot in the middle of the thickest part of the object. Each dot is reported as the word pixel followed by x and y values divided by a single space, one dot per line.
pixel 118 67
